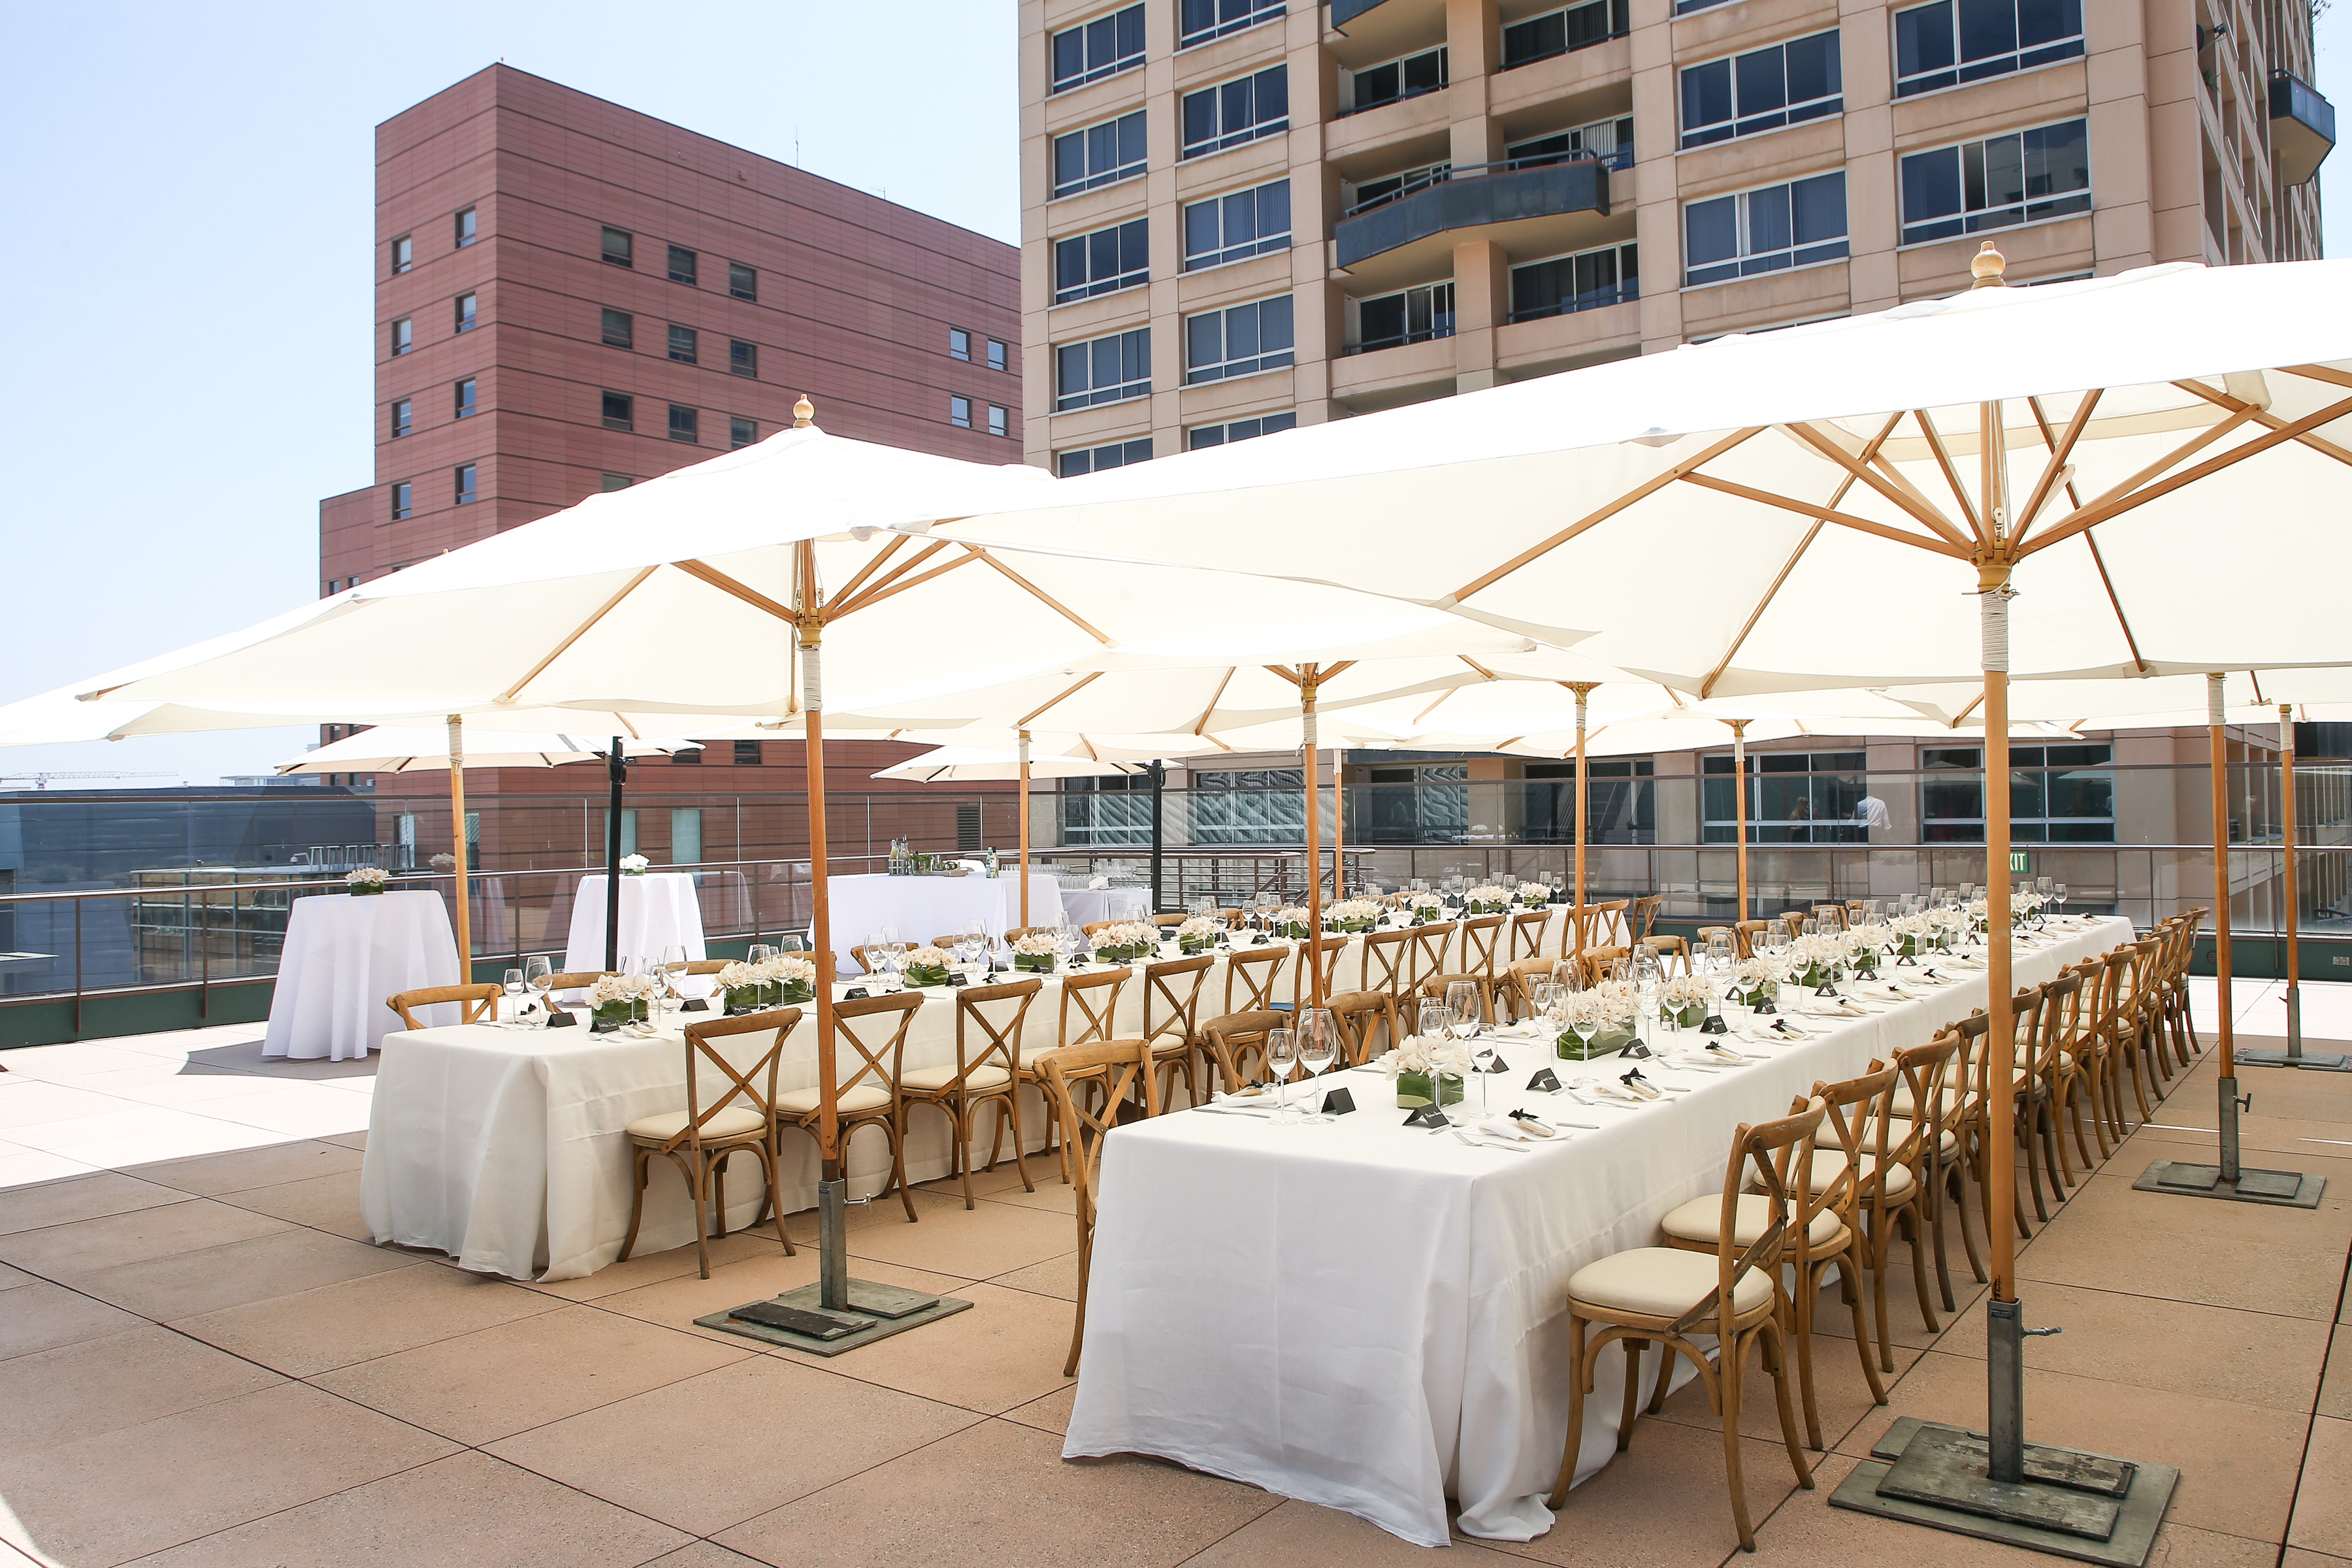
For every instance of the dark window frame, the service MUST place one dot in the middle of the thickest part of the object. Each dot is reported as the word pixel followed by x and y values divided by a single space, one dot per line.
pixel 465 482
pixel 743 358
pixel 404 495
pixel 403 336
pixel 1102 261
pixel 1131 352
pixel 466 308
pixel 1253 204
pixel 403 254
pixel 687 429
pixel 959 411
pixel 625 418
pixel 1441 324
pixel 625 254
pixel 467 396
pixel 622 335
pixel 1755 230
pixel 1254 325
pixel 687 272
pixel 1095 50
pixel 740 432
pixel 684 345
pixel 1098 460
pixel 959 344
pixel 466 226
pixel 1754 91
pixel 1409 76
pixel 1233 113
pixel 1103 154
pixel 403 416
pixel 1532 39
pixel 743 281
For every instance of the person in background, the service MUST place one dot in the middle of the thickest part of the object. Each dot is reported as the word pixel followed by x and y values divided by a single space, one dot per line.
pixel 1868 812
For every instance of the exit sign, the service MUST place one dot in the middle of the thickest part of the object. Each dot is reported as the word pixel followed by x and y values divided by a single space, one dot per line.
pixel 2020 862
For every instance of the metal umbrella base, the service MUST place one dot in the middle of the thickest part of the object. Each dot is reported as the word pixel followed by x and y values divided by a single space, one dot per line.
pixel 837 1313
pixel 2279 1189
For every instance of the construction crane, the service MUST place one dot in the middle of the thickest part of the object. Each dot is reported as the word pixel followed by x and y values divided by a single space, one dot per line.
pixel 41 781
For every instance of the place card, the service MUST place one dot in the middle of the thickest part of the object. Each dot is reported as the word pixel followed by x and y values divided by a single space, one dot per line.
pixel 604 1025
pixel 855 994
pixel 1545 1082
pixel 955 980
pixel 1339 1102
pixel 1426 1116
pixel 557 1019
pixel 1487 1061
pixel 694 1004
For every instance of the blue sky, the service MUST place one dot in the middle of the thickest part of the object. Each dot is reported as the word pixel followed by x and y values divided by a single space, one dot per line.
pixel 192 189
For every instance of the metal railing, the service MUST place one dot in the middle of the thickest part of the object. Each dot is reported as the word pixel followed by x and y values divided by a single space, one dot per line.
pixel 1443 173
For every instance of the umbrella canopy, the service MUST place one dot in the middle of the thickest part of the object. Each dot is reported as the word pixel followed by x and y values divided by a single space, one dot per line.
pixel 958 764
pixel 395 749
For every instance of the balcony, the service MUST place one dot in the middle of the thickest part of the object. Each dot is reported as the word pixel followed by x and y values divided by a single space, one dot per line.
pixel 2303 129
pixel 1476 197
pixel 1346 11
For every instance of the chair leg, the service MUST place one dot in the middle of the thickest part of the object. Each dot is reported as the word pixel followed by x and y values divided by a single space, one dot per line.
pixel 1879 1227
pixel 1916 1232
pixel 1578 1376
pixel 1079 1327
pixel 1775 1361
pixel 897 1133
pixel 1011 1110
pixel 1808 1301
pixel 1633 1349
pixel 1962 1209
pixel 698 1180
pixel 1933 1194
pixel 775 1196
pixel 960 1131
pixel 1732 1375
pixel 719 1180
pixel 636 1207
pixel 1850 1268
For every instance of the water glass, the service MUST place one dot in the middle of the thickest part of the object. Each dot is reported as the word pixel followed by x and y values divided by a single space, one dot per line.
pixel 1436 1018
pixel 514 986
pixel 1281 1056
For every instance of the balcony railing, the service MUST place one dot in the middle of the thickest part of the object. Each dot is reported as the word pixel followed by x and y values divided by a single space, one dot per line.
pixel 1472 196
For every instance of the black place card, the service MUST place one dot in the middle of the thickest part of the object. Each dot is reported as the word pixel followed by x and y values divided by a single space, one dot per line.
pixel 694 1004
pixel 557 1019
pixel 1545 1082
pixel 959 979
pixel 604 1025
pixel 1426 1116
pixel 1715 1025
pixel 855 994
pixel 1490 1062
pixel 1339 1102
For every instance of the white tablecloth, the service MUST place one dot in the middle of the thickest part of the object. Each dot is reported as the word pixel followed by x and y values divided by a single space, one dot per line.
pixel 922 908
pixel 1087 905
pixel 1371 1318
pixel 342 957
pixel 658 912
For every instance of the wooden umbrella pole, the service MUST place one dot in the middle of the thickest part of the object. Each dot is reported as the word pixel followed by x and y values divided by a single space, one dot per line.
pixel 2287 879
pixel 1338 821
pixel 457 837
pixel 1021 869
pixel 2218 746
pixel 1584 689
pixel 833 1252
pixel 1307 679
pixel 1739 811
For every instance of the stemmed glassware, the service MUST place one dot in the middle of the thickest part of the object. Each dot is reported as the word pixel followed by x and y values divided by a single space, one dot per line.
pixel 513 987
pixel 1318 1040
pixel 1281 1056
pixel 2058 897
pixel 539 974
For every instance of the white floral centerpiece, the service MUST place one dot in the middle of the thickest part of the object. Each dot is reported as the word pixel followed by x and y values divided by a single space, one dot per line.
pixel 1424 908
pixel 1682 1001
pixel 1912 935
pixel 621 998
pixel 1199 934
pixel 793 976
pixel 1813 960
pixel 365 882
pixel 1036 952
pixel 633 865
pixel 1865 942
pixel 1488 899
pixel 1125 941
pixel 741 983
pixel 2023 906
pixel 1754 980
pixel 1428 1068
pixel 1291 922
pixel 926 967
pixel 1352 914
pixel 1597 1021
pixel 1532 894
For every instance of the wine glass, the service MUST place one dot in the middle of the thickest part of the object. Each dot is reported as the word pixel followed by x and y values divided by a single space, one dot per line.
pixel 1319 1041
pixel 1281 1056
pixel 513 986
pixel 539 974
pixel 1435 1019
pixel 1462 999
pixel 2058 897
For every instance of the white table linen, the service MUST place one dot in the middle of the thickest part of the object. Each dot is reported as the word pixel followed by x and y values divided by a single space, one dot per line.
pixel 658 912
pixel 1087 905
pixel 1371 1319
pixel 922 908
pixel 343 955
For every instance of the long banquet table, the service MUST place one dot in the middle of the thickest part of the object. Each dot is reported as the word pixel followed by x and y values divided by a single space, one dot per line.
pixel 1372 1318
pixel 507 1148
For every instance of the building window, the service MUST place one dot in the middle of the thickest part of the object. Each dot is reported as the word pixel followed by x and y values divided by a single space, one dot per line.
pixel 1204 19
pixel 959 344
pixel 1233 430
pixel 959 412
pixel 1610 141
pixel 1240 340
pixel 1558 32
pixel 999 422
pixel 746 754
pixel 620 411
pixel 681 264
pixel 1411 316
pixel 742 283
pixel 1104 46
pixel 465 313
pixel 465 397
pixel 1584 281
pixel 1095 459
pixel 1997 183
pixel 400 419
pixel 1793 797
pixel 1955 41
pixel 1379 192
pixel 1098 155
pixel 404 255
pixel 1763 90
pixel 683 342
pixel 1237 227
pixel 617 482
pixel 620 328
pixel 465 483
pixel 2057 794
pixel 620 246
pixel 403 336
pixel 684 424
pixel 997 359
pixel 1234 113
pixel 400 496
pixel 742 358
pixel 740 432
pixel 1102 262
pixel 1407 77
pixel 467 228
pixel 1106 370
pixel 1769 230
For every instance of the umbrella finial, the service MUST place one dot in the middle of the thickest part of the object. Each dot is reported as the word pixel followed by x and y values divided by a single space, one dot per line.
pixel 805 411
pixel 1987 267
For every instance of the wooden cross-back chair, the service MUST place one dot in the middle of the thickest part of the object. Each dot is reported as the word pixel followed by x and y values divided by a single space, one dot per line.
pixel 1673 953
pixel 1747 932
pixel 1237 1041
pixel 1171 1008
pixel 1516 986
pixel 867 1093
pixel 480 1001
pixel 2177 1012
pixel 1250 976
pixel 575 980
pixel 1668 1295
pixel 1086 1014
pixel 989 1020
pixel 1642 915
pixel 2058 1061
pixel 1388 962
pixel 1430 945
pixel 1361 1014
pixel 1321 953
pixel 1609 923
pixel 1017 932
pixel 1123 1073
pixel 1595 962
pixel 700 1139
pixel 1436 986
pixel 1482 942
pixel 1834 913
pixel 1528 929
pixel 1856 1136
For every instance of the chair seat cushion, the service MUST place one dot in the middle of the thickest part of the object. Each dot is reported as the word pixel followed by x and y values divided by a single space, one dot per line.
pixel 1828 1164
pixel 935 1078
pixel 1696 1221
pixel 860 1097
pixel 1661 1283
pixel 731 1123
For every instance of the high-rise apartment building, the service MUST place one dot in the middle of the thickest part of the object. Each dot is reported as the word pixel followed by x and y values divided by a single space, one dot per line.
pixel 571 296
pixel 1242 214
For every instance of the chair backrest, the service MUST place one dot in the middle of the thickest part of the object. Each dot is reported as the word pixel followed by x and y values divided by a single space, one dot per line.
pixel 1236 1037
pixel 1926 1072
pixel 1855 1113
pixel 1833 912
pixel 1643 914
pixel 2116 997
pixel 1763 1157
pixel 575 980
pixel 858 956
pixel 1519 981
pixel 877 1059
pixel 1674 953
pixel 752 1085
pixel 1250 972
pixel 1093 926
pixel 1170 921
pixel 1595 962
pixel 705 966
pixel 996 1012
pixel 1019 931
pixel 1429 945
pixel 1528 928
pixel 1388 960
pixel 1119 1068
pixel 1745 934
pixel 478 1000
pixel 1609 924
pixel 1360 1014
pixel 1481 937
pixel 1095 998
pixel 1322 953
pixel 2061 1022
pixel 1436 985
pixel 1172 991
pixel 1794 920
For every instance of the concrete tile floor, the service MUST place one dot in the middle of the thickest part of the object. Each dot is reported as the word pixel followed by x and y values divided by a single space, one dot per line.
pixel 202 1363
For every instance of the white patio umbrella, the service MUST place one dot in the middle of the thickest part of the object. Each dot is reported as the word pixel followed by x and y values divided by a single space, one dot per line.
pixel 399 749
pixel 959 765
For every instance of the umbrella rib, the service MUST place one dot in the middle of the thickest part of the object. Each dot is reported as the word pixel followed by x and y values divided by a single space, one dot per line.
pixel 2320 373
pixel 849 589
pixel 1944 461
pixel 1870 455
pixel 2187 448
pixel 1707 687
pixel 849 599
pixel 2107 582
pixel 1433 706
pixel 874 595
pixel 1961 717
pixel 2263 417
pixel 1023 722
pixel 1805 431
pixel 1042 597
pixel 2060 450
pixel 1481 669
pixel 1647 488
pixel 1201 725
pixel 2255 676
pixel 578 632
pixel 2103 509
pixel 729 586
pixel 1827 514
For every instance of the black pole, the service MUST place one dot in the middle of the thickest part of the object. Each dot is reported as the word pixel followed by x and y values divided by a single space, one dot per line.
pixel 1158 784
pixel 616 772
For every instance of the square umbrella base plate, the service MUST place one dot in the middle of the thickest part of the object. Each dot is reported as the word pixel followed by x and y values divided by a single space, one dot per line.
pixel 2137 1514
pixel 2310 1061
pixel 875 1312
pixel 2278 1189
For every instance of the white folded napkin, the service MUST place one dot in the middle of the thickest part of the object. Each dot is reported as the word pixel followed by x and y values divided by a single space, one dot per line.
pixel 1096 883
pixel 1515 1130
